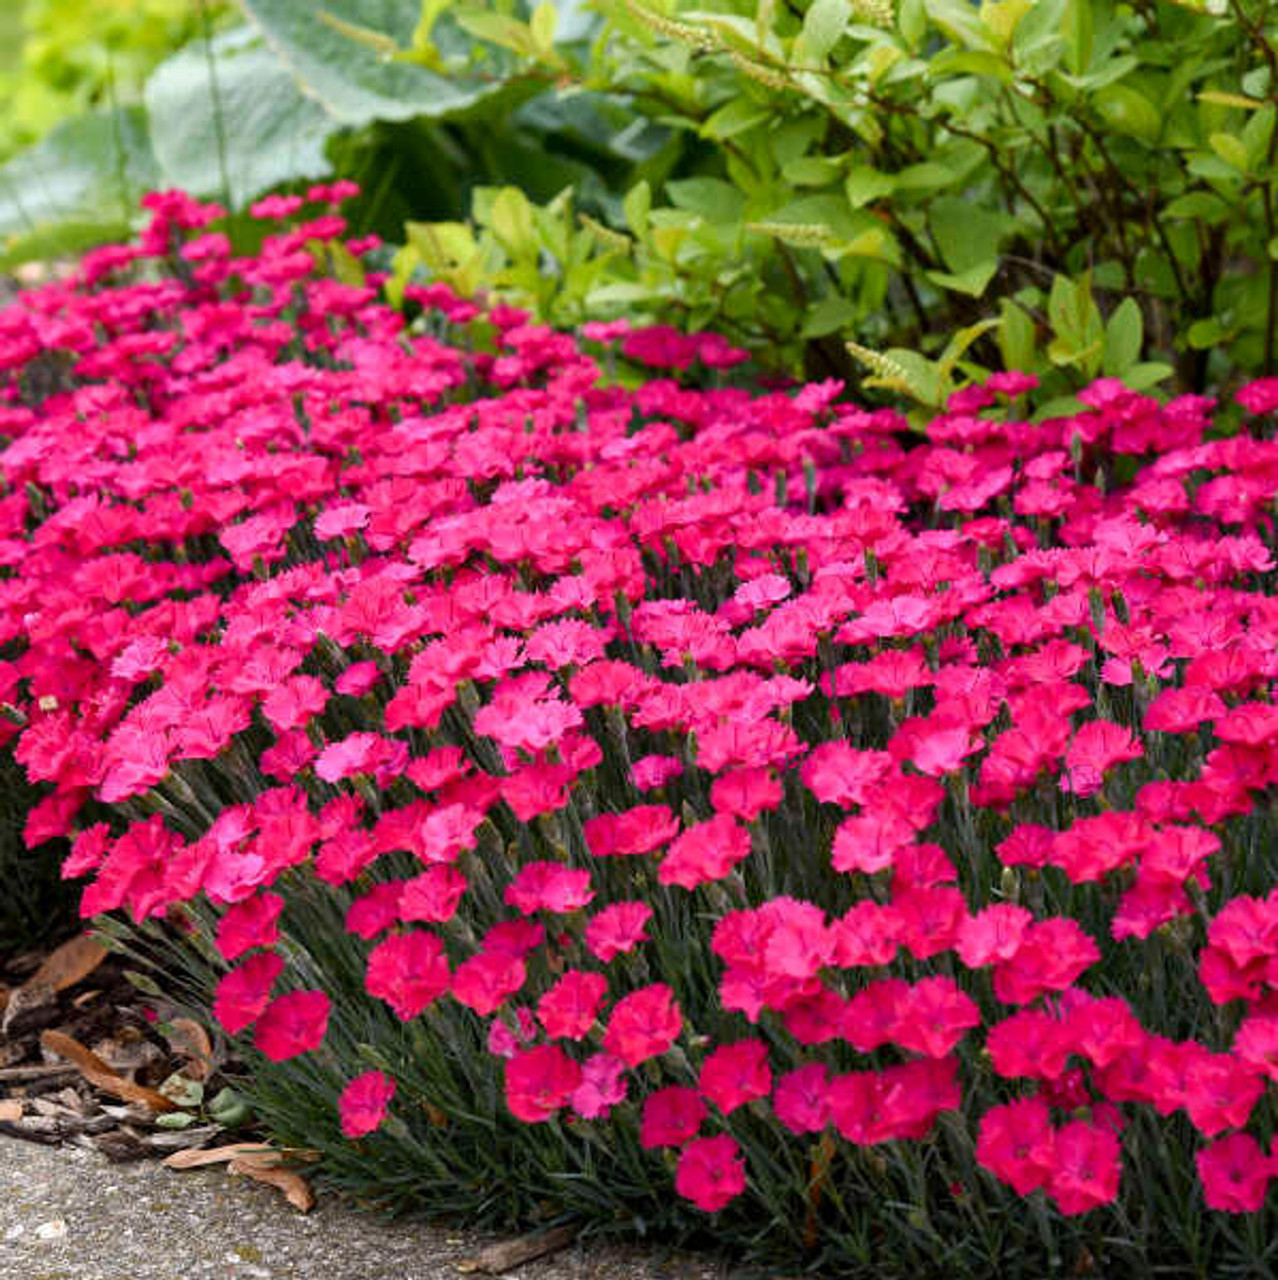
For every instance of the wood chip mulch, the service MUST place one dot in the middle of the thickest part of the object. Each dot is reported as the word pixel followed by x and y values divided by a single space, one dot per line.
pixel 83 1060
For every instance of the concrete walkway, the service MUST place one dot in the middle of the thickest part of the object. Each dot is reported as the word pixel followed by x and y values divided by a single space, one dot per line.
pixel 66 1213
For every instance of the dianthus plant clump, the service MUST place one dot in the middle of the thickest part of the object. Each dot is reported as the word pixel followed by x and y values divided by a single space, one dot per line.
pixel 792 801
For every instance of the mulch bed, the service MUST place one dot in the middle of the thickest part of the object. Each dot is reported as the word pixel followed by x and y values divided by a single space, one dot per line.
pixel 84 1060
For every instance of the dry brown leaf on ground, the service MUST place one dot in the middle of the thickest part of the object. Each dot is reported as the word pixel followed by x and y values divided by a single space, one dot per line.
pixel 213 1155
pixel 295 1188
pixel 100 1075
pixel 72 962
pixel 68 964
pixel 189 1040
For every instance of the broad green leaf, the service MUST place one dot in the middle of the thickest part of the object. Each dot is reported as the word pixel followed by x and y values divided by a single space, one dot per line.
pixel 812 171
pixel 1255 83
pixel 1079 333
pixel 523 39
pixel 874 242
pixel 228 1108
pixel 499 29
pixel 712 198
pixel 1003 16
pixel 960 22
pixel 926 176
pixel 421 49
pixel 575 20
pixel 832 211
pixel 1078 35
pixel 794 137
pixel 1107 72
pixel 966 233
pixel 591 122
pixel 1256 135
pixel 898 370
pixel 863 186
pixel 1040 36
pixel 1140 377
pixel 764 16
pixel 1207 333
pixel 971 281
pixel 1066 353
pixel 620 293
pixel 441 244
pixel 339 261
pixel 543 25
pixel 823 24
pixel 1201 165
pixel 511 219
pixel 249 115
pixel 355 84
pixel 1124 338
pixel 958 62
pixel 523 161
pixel 880 60
pixel 1231 150
pixel 738 115
pixel 1064 308
pixel 667 239
pixel 636 205
pixel 1206 205
pixel 78 186
pixel 923 381
pixel 1016 338
pixel 960 342
pixel 1128 111
pixel 404 265
pixel 911 20
pixel 802 235
pixel 828 316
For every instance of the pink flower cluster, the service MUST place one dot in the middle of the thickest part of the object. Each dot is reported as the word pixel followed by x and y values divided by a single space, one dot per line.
pixel 527 667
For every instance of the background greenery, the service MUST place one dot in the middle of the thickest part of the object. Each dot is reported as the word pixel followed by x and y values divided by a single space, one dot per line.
pixel 62 57
pixel 1076 187
pixel 1073 187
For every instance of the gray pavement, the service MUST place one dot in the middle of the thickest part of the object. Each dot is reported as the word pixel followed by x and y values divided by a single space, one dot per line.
pixel 66 1213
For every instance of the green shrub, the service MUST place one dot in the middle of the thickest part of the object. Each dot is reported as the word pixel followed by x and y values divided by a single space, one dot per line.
pixel 296 94
pixel 1073 187
pixel 1097 178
